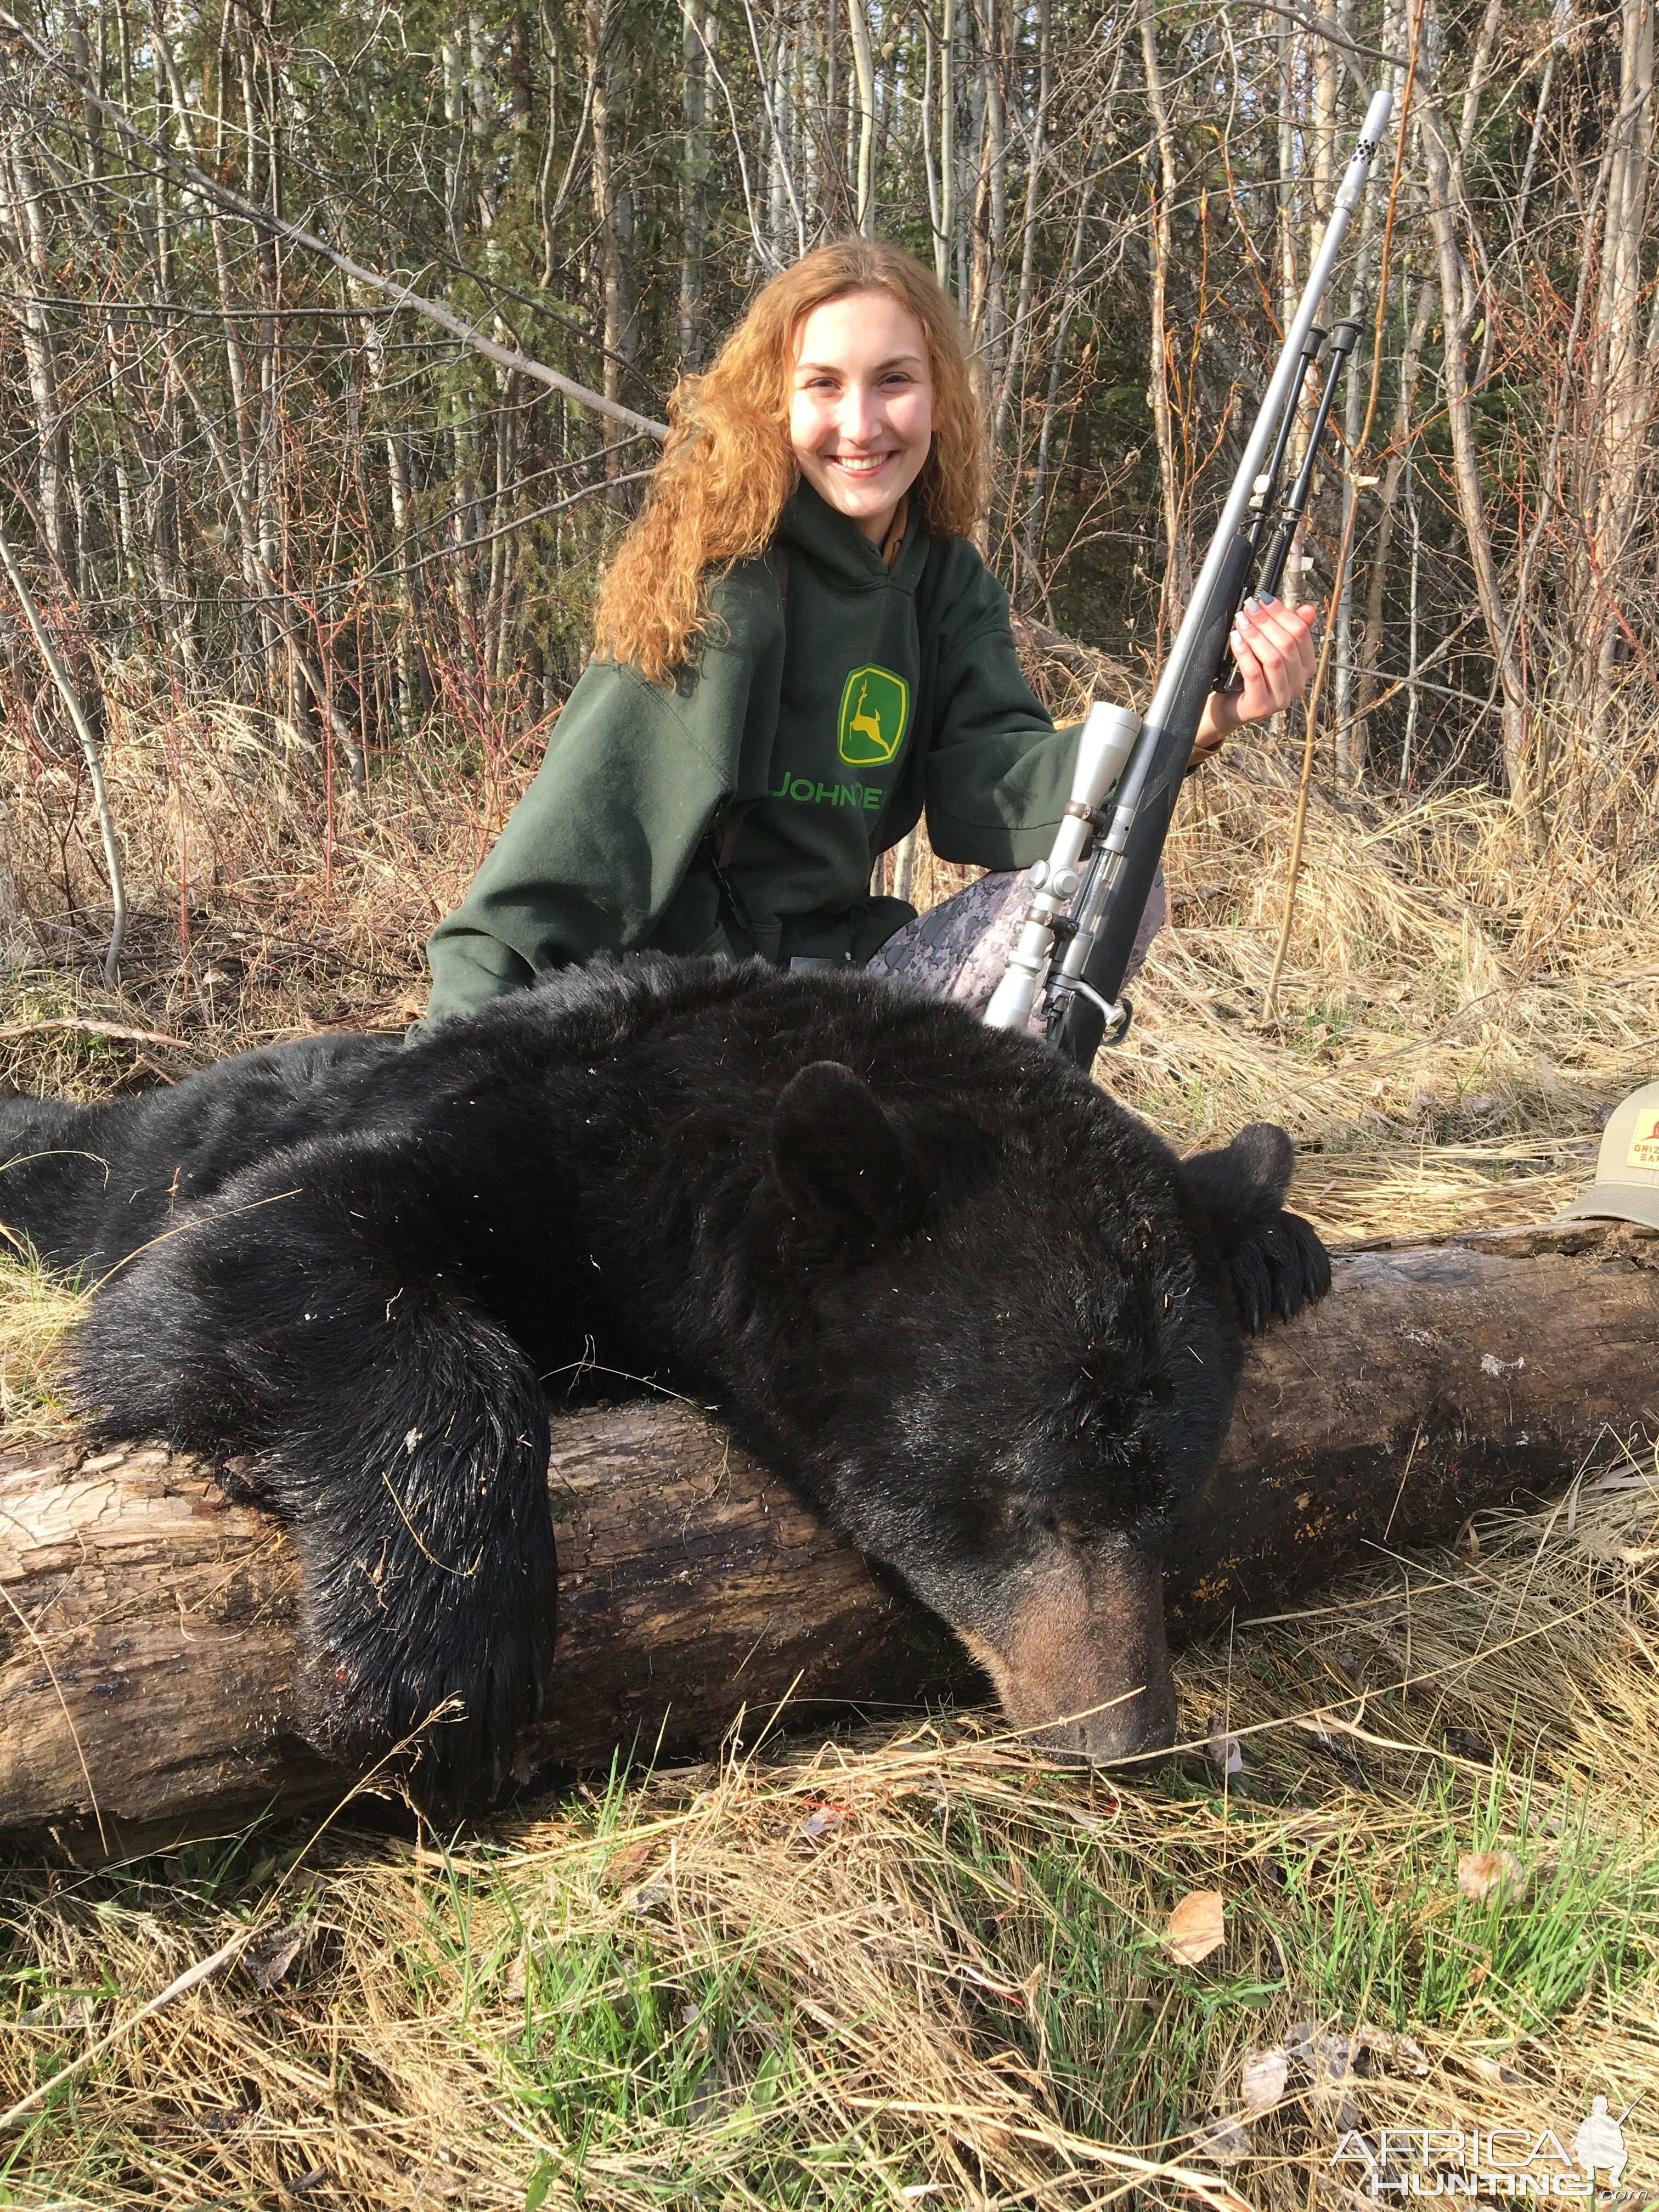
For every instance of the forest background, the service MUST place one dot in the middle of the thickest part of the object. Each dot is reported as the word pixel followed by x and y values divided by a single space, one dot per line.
pixel 293 544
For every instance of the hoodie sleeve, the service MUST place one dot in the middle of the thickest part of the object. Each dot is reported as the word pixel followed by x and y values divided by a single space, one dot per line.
pixel 598 847
pixel 999 772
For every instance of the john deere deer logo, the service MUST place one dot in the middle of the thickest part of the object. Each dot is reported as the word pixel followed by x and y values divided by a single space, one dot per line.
pixel 868 723
pixel 875 706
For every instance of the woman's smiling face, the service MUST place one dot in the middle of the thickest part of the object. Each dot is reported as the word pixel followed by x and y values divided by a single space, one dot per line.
pixel 861 406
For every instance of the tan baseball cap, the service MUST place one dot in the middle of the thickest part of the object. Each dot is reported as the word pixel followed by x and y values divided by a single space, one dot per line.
pixel 1627 1186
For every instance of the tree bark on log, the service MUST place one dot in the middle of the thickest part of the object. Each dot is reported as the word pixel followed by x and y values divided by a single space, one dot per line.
pixel 146 1637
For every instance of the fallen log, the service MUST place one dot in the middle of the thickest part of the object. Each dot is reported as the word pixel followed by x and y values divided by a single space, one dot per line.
pixel 146 1642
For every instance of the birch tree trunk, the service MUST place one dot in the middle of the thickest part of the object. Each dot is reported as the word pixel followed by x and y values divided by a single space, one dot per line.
pixel 1460 304
pixel 598 16
pixel 1394 475
pixel 27 249
pixel 1172 597
pixel 864 73
pixel 1037 147
pixel 1624 395
pixel 696 31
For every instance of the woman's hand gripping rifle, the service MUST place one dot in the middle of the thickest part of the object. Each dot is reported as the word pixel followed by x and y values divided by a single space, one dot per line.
pixel 1074 950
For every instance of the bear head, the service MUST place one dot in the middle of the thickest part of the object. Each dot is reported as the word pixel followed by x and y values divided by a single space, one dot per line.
pixel 994 1330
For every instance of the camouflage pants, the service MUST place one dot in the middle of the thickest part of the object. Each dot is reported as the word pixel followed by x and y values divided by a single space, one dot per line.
pixel 958 949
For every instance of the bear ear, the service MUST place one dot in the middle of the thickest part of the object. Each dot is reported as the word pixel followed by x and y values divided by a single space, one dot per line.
pixel 1246 1180
pixel 837 1155
pixel 1275 1259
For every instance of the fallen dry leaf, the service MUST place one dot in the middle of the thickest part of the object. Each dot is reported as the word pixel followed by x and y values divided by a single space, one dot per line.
pixel 1196 1927
pixel 269 1963
pixel 1398 2049
pixel 1484 1874
pixel 1610 1544
pixel 1488 2071
pixel 1224 1753
pixel 630 1864
pixel 1224 2139
pixel 823 1819
pixel 1266 2073
pixel 1314 1832
pixel 1017 1884
pixel 75 2013
pixel 1332 2059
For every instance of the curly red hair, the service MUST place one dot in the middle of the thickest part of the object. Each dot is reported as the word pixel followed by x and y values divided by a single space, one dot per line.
pixel 727 467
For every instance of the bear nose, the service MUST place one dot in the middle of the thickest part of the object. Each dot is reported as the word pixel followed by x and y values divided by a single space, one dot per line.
pixel 1141 1727
pixel 1079 1658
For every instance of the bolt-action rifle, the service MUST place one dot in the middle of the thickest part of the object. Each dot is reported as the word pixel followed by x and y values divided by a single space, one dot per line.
pixel 1079 931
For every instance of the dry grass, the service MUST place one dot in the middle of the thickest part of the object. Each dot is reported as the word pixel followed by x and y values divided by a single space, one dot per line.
pixel 926 1967
pixel 36 1311
pixel 259 910
pixel 1456 1016
pixel 923 1967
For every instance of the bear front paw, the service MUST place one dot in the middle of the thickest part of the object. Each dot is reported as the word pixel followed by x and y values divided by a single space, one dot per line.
pixel 442 1698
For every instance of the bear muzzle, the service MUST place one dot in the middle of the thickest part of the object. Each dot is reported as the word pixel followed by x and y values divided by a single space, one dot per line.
pixel 1078 1655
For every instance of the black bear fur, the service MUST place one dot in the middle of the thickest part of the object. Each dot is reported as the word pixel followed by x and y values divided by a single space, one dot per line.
pixel 976 1312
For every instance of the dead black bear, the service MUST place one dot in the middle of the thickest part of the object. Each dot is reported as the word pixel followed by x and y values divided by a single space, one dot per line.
pixel 974 1309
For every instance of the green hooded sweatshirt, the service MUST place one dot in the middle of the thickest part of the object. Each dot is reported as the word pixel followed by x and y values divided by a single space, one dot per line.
pixel 832 700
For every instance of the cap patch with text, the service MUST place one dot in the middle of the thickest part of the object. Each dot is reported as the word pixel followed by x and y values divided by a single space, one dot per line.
pixel 1645 1142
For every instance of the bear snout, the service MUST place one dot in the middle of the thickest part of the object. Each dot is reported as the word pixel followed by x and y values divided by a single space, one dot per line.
pixel 1078 1655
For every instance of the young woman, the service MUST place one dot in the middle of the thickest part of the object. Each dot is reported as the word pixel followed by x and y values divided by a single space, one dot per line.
pixel 799 654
